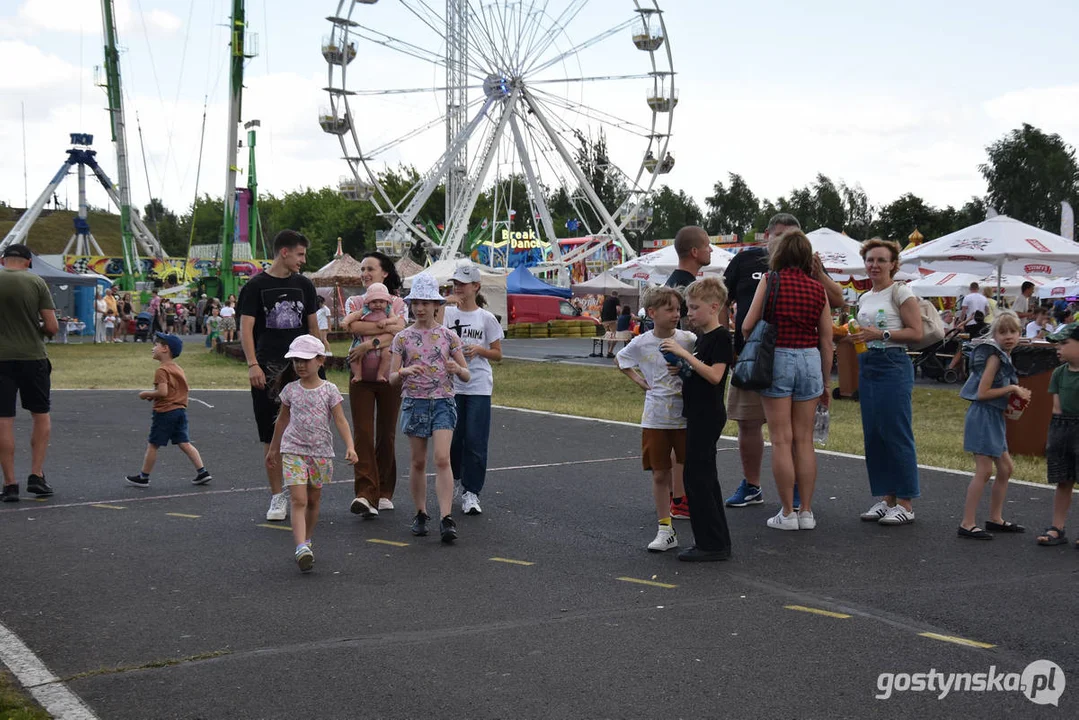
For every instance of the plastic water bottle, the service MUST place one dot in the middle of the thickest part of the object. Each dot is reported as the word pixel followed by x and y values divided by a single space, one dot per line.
pixel 852 328
pixel 821 423
pixel 882 325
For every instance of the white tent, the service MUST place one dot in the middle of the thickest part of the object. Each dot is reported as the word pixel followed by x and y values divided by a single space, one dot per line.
pixel 604 284
pixel 655 267
pixel 944 284
pixel 999 245
pixel 492 284
pixel 839 253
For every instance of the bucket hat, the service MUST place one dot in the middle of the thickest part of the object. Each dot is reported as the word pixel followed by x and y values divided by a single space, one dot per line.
pixel 377 291
pixel 425 287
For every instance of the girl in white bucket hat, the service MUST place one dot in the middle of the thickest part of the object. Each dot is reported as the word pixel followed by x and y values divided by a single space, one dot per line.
pixel 426 358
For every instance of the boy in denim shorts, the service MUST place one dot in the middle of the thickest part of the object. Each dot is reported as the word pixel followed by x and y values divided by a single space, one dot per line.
pixel 169 422
pixel 663 429
pixel 1062 449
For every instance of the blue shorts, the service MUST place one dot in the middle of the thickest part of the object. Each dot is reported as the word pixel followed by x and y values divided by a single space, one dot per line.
pixel 796 373
pixel 420 418
pixel 169 427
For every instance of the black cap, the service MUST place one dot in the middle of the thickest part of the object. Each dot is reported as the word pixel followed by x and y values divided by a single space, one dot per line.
pixel 18 250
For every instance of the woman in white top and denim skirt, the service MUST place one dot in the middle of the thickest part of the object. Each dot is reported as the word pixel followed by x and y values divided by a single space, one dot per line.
pixel 889 319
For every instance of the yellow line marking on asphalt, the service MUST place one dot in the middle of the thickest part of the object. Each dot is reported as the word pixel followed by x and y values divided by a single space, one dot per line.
pixel 653 583
pixel 109 507
pixel 42 499
pixel 394 543
pixel 510 561
pixel 184 515
pixel 817 611
pixel 275 527
pixel 957 640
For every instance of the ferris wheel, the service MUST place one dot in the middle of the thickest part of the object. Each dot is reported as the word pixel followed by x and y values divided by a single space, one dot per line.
pixel 487 89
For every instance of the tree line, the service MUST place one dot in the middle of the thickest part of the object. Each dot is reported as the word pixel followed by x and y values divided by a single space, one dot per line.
pixel 1027 172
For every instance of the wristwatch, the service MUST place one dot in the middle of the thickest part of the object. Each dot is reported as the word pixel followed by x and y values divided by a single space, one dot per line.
pixel 887 335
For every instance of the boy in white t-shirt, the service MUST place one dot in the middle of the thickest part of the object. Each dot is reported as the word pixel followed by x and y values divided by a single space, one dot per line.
pixel 663 429
pixel 481 334
pixel 1038 328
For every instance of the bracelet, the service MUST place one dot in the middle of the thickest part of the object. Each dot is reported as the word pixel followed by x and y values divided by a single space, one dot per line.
pixel 251 365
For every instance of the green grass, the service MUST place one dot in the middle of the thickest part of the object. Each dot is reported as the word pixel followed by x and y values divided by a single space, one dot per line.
pixel 53 229
pixel 15 704
pixel 597 392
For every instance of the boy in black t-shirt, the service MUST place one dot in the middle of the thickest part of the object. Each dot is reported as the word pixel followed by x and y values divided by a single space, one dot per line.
pixel 705 415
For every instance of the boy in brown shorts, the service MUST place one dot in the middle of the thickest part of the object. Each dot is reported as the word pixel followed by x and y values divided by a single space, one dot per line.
pixel 663 429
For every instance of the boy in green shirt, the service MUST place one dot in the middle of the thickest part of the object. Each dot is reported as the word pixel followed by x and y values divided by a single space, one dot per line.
pixel 1062 450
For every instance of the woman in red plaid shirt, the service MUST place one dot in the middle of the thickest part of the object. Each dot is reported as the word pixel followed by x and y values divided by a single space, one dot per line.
pixel 801 374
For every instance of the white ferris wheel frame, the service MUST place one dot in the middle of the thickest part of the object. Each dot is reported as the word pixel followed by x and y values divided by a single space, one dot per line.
pixel 506 105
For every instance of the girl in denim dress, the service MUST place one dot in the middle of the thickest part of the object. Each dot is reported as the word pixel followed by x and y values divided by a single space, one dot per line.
pixel 992 380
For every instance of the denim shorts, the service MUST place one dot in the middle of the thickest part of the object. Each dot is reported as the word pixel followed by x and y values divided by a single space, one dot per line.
pixel 796 374
pixel 169 427
pixel 420 418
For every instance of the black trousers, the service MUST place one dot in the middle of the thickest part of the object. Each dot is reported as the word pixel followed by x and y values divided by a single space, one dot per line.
pixel 706 515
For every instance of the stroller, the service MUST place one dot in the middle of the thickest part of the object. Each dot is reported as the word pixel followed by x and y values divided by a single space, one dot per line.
pixel 934 361
pixel 144 323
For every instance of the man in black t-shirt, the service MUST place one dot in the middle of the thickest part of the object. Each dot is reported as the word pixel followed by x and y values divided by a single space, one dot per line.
pixel 276 306
pixel 608 317
pixel 694 251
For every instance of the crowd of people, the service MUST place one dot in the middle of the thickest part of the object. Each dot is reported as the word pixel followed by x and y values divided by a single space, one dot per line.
pixel 423 365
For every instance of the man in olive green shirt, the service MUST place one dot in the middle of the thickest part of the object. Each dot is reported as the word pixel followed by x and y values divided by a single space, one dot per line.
pixel 29 315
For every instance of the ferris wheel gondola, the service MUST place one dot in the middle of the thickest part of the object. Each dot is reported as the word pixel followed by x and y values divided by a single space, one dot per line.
pixel 505 92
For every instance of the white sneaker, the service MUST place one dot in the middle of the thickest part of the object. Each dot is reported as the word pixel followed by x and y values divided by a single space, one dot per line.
pixel 666 539
pixel 876 512
pixel 806 521
pixel 305 558
pixel 385 504
pixel 783 522
pixel 278 506
pixel 897 515
pixel 470 503
pixel 360 506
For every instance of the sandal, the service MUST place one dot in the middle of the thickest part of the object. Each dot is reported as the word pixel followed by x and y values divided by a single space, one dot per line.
pixel 975 533
pixel 1004 527
pixel 1058 539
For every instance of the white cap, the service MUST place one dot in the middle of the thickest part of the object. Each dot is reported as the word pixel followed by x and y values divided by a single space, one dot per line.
pixel 466 272
pixel 306 347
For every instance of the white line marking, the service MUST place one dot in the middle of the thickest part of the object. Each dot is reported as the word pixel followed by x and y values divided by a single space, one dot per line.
pixel 200 402
pixel 54 696
pixel 731 438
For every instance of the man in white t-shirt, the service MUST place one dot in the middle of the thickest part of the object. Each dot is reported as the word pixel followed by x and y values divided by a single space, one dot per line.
pixel 972 303
pixel 1038 328
pixel 1024 305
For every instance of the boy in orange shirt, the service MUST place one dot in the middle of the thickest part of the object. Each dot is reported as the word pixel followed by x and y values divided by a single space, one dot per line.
pixel 170 412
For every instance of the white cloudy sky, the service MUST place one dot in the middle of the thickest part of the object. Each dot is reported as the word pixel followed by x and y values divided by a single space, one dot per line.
pixel 897 96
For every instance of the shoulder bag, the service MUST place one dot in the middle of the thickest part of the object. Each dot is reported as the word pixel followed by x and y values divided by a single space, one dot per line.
pixel 753 369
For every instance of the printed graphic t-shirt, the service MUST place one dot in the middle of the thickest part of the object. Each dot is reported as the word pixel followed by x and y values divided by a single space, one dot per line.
pixel 663 401
pixel 428 349
pixel 476 327
pixel 742 277
pixel 280 307
pixel 310 426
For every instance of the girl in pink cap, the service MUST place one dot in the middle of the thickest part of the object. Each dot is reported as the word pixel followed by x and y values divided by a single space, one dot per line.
pixel 375 363
pixel 303 441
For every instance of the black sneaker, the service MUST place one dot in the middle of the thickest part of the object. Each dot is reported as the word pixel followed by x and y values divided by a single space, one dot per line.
pixel 137 480
pixel 202 478
pixel 449 529
pixel 419 523
pixel 11 493
pixel 36 485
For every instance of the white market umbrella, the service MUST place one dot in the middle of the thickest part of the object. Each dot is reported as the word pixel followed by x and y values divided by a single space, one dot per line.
pixel 604 284
pixel 841 255
pixel 944 284
pixel 650 267
pixel 1058 288
pixel 999 246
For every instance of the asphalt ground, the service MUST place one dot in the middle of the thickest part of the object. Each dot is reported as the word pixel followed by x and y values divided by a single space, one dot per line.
pixel 183 602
